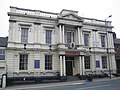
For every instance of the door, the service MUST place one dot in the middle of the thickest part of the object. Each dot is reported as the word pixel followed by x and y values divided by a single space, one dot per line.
pixel 69 68
pixel 118 66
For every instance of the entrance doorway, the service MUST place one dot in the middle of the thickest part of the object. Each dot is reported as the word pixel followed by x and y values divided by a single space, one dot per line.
pixel 118 66
pixel 69 68
pixel 69 65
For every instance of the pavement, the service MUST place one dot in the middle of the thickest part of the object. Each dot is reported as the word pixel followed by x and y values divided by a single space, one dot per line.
pixel 54 84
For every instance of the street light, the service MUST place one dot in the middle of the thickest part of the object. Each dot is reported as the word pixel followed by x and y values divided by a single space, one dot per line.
pixel 108 44
pixel 108 17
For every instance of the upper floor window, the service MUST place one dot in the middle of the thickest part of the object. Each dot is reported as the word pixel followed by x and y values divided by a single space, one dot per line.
pixel 48 36
pixel 23 63
pixel 69 37
pixel 87 62
pixel 86 39
pixel 102 40
pixel 24 34
pixel 2 54
pixel 48 62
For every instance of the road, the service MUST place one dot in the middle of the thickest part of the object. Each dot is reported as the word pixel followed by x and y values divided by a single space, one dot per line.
pixel 102 85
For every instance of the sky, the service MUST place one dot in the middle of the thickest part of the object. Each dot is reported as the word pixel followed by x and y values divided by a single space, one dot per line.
pixel 98 9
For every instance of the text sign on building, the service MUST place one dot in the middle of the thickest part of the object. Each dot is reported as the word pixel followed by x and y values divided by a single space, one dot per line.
pixel 72 53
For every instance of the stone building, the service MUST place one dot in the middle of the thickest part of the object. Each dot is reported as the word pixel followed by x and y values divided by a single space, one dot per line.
pixel 45 44
pixel 3 45
pixel 117 54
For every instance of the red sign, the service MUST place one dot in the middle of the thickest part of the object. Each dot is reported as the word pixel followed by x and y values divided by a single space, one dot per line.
pixel 72 52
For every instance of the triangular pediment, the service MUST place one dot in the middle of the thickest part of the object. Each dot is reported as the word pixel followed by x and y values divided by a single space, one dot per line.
pixel 71 16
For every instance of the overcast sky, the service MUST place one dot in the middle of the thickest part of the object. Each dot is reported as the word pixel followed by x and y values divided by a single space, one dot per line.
pixel 98 9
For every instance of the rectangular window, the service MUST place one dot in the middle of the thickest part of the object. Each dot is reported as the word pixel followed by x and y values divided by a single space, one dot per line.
pixel 102 41
pixel 48 36
pixel 87 62
pixel 86 39
pixel 48 62
pixel 37 64
pixel 104 62
pixel 97 64
pixel 69 36
pixel 2 54
pixel 23 64
pixel 24 34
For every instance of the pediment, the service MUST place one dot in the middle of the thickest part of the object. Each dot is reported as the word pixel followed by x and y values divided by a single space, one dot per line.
pixel 71 16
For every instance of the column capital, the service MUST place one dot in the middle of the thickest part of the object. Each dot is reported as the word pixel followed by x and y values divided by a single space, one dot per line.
pixel 94 30
pixel 60 24
pixel 61 55
pixel 81 55
pixel 76 27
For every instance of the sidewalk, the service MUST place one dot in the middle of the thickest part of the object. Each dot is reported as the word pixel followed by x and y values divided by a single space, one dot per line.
pixel 43 85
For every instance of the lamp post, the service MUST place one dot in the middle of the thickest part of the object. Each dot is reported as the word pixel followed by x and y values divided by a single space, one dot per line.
pixel 108 44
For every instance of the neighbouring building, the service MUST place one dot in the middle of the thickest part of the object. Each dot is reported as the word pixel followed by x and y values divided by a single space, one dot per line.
pixel 3 45
pixel 117 55
pixel 42 44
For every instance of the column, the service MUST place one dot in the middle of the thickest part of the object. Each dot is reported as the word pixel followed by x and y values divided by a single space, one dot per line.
pixel 83 65
pixel 81 37
pixel 61 66
pixel 80 66
pixel 63 33
pixel 64 67
pixel 60 34
pixel 78 35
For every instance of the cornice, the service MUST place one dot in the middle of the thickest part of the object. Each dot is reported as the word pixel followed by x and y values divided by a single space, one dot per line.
pixel 31 16
pixel 69 19
pixel 92 24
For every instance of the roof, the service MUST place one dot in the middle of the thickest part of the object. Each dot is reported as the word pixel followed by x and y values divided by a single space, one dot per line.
pixel 116 41
pixel 3 41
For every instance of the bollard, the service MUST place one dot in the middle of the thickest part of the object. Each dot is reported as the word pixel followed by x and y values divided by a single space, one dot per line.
pixel 4 81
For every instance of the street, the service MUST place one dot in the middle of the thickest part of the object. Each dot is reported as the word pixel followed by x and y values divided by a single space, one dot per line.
pixel 102 85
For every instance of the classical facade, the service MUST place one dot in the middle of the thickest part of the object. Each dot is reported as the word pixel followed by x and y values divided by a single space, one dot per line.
pixel 43 43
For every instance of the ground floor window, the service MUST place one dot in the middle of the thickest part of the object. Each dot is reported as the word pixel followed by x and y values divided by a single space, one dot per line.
pixel 48 62
pixel 104 62
pixel 87 62
pixel 97 64
pixel 23 64
pixel 37 64
pixel 2 54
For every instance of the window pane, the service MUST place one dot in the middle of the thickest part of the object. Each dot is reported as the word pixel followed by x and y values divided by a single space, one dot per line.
pixel 48 62
pixel 2 54
pixel 103 41
pixel 2 57
pixel 86 39
pixel 2 51
pixel 48 36
pixel 87 62
pixel 24 35
pixel 104 62
pixel 97 64
pixel 68 37
pixel 37 64
pixel 23 64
